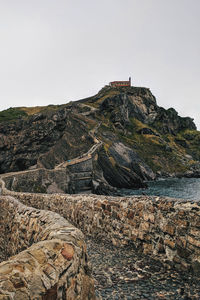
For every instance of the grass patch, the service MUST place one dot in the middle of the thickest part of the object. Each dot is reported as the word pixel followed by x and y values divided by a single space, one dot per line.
pixel 11 114
pixel 106 147
pixel 153 151
pixel 113 162
pixel 101 96
pixel 38 109
pixel 108 95
pixel 137 125
pixel 32 110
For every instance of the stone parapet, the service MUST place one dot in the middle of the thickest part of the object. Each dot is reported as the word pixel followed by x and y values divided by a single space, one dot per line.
pixel 38 181
pixel 164 227
pixel 47 257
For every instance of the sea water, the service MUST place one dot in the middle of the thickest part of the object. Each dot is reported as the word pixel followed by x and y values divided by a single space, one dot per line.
pixel 184 188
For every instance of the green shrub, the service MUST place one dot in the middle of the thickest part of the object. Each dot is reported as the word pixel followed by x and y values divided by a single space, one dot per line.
pixel 11 114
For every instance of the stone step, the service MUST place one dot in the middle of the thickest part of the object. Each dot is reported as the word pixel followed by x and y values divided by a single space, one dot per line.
pixel 81 175
pixel 81 178
pixel 85 188
pixel 81 172
pixel 80 184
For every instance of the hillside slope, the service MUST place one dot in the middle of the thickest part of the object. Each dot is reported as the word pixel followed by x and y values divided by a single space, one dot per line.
pixel 139 140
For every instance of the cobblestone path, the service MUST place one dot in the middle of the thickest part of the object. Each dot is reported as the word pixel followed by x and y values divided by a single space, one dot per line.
pixel 125 274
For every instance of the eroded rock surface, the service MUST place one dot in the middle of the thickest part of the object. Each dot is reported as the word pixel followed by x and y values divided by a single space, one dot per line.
pixel 122 132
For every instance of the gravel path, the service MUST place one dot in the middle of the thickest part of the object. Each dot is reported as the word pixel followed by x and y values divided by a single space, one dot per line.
pixel 122 273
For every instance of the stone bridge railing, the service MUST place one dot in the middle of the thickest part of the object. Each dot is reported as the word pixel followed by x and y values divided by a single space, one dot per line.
pixel 38 181
pixel 167 228
pixel 48 258
pixel 86 156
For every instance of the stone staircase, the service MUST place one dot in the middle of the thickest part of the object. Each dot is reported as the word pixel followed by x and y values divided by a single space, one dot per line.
pixel 81 182
pixel 81 175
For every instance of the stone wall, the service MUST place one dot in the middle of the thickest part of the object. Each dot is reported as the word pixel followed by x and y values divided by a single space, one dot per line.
pixel 38 181
pixel 160 226
pixel 74 178
pixel 48 258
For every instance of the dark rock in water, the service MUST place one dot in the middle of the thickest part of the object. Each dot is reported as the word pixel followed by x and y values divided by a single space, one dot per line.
pixel 118 175
pixel 102 188
pixel 127 158
pixel 193 172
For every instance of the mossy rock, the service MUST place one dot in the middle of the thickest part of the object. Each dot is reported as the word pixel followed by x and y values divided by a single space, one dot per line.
pixel 11 114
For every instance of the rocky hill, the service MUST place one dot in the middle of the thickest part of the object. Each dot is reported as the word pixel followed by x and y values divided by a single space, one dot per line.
pixel 128 137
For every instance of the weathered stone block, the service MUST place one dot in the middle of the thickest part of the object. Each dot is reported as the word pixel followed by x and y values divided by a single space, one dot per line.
pixel 165 206
pixel 130 214
pixel 169 243
pixel 141 235
pixel 19 295
pixel 160 247
pixel 181 213
pixel 195 232
pixel 149 217
pixel 17 281
pixel 144 226
pixel 147 248
pixel 51 294
pixel 196 267
pixel 193 241
pixel 181 223
pixel 39 255
pixel 67 251
pixel 183 252
pixel 170 253
pixel 194 219
pixel 169 228
pixel 5 297
pixel 181 241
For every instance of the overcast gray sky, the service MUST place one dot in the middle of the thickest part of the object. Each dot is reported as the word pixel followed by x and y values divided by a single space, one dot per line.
pixel 55 51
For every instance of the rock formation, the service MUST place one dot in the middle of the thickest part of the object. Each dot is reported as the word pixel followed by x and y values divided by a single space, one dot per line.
pixel 124 136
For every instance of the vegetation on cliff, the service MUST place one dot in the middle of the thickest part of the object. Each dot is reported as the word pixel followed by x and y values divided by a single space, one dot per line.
pixel 166 142
pixel 139 140
pixel 11 114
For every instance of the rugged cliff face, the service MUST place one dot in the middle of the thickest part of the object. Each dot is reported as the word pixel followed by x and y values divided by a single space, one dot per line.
pixel 46 138
pixel 161 141
pixel 136 139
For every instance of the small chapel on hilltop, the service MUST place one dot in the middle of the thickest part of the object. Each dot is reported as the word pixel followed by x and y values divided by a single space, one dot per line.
pixel 121 83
